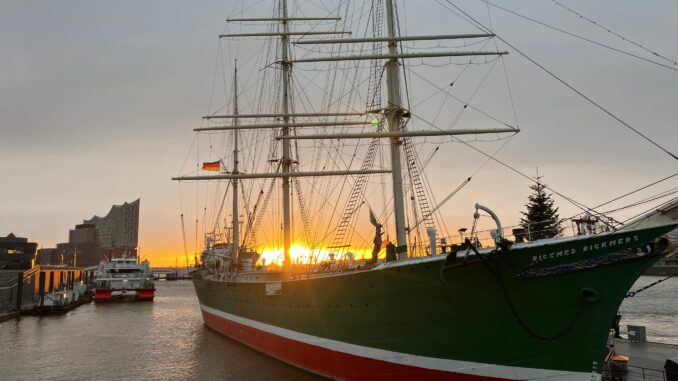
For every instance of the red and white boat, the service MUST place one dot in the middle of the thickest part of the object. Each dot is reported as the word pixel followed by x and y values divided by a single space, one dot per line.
pixel 120 276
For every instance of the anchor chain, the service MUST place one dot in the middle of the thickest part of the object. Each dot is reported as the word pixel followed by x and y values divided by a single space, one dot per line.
pixel 631 294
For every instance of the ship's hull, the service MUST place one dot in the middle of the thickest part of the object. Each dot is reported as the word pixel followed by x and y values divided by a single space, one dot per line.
pixel 539 311
pixel 108 295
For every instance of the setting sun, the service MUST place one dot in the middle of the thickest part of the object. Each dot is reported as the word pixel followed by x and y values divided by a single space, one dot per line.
pixel 304 255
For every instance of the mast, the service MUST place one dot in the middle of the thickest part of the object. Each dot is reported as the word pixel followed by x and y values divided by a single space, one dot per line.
pixel 394 111
pixel 286 119
pixel 394 117
pixel 286 159
pixel 236 232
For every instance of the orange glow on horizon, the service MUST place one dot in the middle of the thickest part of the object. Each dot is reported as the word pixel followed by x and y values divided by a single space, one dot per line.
pixel 166 258
pixel 304 255
pixel 299 254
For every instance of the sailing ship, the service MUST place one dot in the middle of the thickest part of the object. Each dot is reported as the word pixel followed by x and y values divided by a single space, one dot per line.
pixel 407 307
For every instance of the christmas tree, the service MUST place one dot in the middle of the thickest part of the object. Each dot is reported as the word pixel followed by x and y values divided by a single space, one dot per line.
pixel 541 219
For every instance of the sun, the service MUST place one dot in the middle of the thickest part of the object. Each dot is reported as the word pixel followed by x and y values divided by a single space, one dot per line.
pixel 302 255
pixel 299 254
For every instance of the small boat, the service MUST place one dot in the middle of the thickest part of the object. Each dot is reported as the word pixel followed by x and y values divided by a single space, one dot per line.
pixel 59 302
pixel 125 275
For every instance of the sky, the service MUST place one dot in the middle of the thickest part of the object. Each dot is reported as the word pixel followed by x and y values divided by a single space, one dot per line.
pixel 98 100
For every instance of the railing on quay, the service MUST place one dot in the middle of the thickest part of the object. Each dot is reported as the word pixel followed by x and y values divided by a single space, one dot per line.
pixel 17 289
pixel 622 372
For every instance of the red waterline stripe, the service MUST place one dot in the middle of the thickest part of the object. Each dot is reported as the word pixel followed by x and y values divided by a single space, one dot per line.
pixel 326 362
pixel 145 294
pixel 102 295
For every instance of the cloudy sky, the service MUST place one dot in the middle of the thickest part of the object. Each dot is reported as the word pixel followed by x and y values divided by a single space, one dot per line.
pixel 98 100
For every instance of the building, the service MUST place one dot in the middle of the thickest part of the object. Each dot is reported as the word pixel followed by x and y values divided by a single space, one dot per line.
pixel 118 231
pixel 83 233
pixel 83 247
pixel 16 253
pixel 98 238
pixel 49 256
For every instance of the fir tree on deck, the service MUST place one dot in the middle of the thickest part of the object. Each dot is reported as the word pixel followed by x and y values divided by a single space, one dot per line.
pixel 541 219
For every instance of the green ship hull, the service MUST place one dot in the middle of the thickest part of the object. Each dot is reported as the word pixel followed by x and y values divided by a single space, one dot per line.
pixel 532 311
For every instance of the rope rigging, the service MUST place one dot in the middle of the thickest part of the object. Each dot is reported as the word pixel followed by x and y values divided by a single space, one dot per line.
pixel 637 190
pixel 566 84
pixel 337 92
pixel 649 199
pixel 646 200
pixel 571 34
pixel 614 33
pixel 493 158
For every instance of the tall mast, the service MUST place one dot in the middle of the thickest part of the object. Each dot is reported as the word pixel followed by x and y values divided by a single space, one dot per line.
pixel 236 232
pixel 286 119
pixel 394 117
pixel 286 159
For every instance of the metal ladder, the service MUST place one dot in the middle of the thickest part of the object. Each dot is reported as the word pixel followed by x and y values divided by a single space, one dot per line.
pixel 417 184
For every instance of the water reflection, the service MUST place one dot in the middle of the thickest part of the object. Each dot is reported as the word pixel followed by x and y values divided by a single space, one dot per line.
pixel 167 339
pixel 145 340
pixel 655 308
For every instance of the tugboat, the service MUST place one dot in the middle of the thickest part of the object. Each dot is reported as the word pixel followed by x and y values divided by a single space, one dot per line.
pixel 125 275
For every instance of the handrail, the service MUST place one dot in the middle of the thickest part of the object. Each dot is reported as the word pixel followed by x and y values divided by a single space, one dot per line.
pixel 618 371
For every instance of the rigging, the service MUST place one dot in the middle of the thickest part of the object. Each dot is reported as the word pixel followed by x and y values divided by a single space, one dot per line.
pixel 571 34
pixel 614 33
pixel 566 84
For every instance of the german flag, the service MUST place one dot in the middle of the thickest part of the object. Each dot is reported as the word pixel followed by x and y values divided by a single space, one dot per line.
pixel 213 166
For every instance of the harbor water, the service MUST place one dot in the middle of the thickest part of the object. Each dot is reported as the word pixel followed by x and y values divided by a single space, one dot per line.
pixel 166 339
pixel 159 340
pixel 656 308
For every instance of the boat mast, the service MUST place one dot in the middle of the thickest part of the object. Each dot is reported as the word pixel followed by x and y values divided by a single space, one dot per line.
pixel 394 110
pixel 236 233
pixel 394 114
pixel 285 119
pixel 286 160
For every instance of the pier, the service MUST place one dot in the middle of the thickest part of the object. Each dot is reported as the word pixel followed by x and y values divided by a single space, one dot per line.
pixel 42 290
pixel 646 361
pixel 170 273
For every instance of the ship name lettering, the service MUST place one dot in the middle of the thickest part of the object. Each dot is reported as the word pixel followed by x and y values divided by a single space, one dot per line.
pixel 555 254
pixel 585 249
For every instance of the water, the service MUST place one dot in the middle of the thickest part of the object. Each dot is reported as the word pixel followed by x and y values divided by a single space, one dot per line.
pixel 167 339
pixel 655 308
pixel 160 340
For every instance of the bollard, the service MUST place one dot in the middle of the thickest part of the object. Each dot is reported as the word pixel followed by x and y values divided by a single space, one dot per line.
pixel 19 290
pixel 41 287
pixel 671 369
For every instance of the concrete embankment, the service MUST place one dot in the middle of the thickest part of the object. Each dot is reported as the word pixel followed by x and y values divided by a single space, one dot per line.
pixel 9 315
